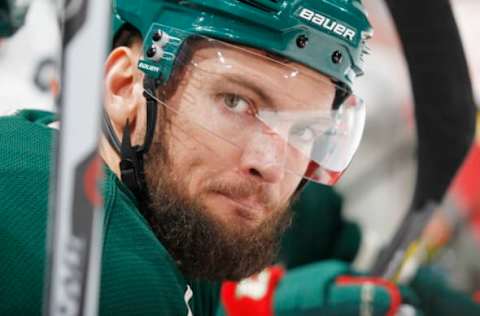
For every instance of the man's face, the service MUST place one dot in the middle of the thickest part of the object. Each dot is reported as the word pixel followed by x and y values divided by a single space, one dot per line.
pixel 222 173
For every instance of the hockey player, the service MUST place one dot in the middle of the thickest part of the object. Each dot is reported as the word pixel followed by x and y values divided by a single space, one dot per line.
pixel 216 115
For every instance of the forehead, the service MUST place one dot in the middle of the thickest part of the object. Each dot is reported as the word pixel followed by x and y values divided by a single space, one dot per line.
pixel 270 75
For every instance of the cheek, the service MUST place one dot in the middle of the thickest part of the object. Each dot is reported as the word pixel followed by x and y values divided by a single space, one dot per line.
pixel 296 167
pixel 183 158
pixel 289 186
pixel 196 155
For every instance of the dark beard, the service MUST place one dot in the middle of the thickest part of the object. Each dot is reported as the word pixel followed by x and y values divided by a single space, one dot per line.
pixel 202 247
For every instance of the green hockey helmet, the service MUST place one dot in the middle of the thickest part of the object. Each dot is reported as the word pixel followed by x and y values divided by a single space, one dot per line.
pixel 326 35
pixel 323 43
pixel 12 16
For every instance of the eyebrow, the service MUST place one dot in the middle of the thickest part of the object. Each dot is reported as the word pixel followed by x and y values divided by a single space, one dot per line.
pixel 242 81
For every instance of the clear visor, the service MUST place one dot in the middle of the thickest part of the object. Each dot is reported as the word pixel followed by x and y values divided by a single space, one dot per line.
pixel 258 116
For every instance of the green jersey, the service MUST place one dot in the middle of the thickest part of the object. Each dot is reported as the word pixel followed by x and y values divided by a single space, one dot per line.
pixel 139 277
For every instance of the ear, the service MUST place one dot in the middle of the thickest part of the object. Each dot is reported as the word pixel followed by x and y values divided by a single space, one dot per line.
pixel 123 90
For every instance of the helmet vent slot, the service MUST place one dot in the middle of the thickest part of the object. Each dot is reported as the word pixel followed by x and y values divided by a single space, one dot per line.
pixel 270 6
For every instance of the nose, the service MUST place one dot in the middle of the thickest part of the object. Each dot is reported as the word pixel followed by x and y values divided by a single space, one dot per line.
pixel 264 157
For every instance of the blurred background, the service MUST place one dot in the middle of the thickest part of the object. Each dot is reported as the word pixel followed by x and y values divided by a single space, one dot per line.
pixel 377 188
pixel 379 184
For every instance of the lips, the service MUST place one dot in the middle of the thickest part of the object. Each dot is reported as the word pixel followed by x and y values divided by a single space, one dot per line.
pixel 248 207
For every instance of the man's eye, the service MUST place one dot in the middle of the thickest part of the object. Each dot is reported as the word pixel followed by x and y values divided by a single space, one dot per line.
pixel 236 103
pixel 304 134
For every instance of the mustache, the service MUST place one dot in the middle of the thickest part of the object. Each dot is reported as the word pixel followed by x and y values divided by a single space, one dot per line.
pixel 243 189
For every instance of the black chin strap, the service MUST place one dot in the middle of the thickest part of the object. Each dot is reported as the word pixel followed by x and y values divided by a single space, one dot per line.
pixel 132 157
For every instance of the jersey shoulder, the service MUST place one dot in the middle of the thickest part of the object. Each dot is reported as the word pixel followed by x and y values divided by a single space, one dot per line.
pixel 25 141
pixel 25 153
pixel 139 276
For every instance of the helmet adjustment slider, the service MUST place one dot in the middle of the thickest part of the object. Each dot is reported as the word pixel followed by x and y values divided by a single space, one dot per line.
pixel 160 39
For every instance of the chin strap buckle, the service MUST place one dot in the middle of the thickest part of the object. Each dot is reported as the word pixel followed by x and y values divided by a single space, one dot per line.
pixel 131 165
pixel 132 157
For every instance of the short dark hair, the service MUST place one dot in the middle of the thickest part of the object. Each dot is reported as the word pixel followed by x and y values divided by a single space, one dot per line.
pixel 126 36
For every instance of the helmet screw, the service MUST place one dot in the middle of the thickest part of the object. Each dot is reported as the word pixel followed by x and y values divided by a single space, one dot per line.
pixel 302 41
pixel 151 51
pixel 157 36
pixel 337 57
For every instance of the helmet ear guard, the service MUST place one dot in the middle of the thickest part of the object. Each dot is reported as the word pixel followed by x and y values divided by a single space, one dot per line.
pixel 161 48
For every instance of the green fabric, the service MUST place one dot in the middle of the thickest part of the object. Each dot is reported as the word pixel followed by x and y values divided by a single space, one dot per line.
pixel 437 298
pixel 138 275
pixel 319 231
pixel 311 290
